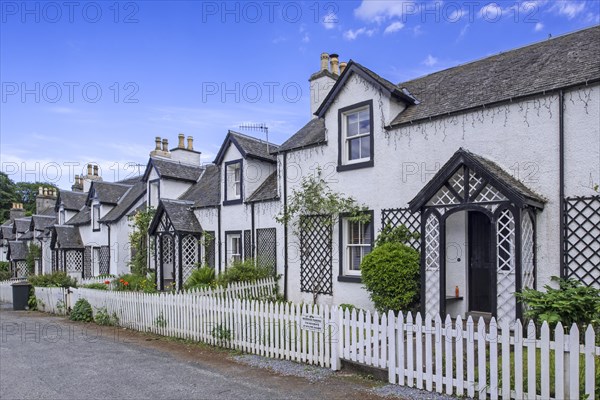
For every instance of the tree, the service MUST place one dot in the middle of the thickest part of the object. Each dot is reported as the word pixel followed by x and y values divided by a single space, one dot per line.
pixel 8 195
pixel 27 192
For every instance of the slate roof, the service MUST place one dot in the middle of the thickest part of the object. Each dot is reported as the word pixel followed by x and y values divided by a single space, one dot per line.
pixel 7 232
pixel 17 250
pixel 83 217
pixel 514 189
pixel 207 191
pixel 248 146
pixel 266 191
pixel 173 170
pixel 131 181
pixel 141 207
pixel 48 212
pixel 72 201
pixel 180 214
pixel 133 195
pixel 554 63
pixel 41 222
pixel 311 134
pixel 107 192
pixel 27 236
pixel 66 237
pixel 22 225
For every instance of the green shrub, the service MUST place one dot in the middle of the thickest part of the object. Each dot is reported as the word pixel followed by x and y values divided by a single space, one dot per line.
pixel 32 303
pixel 134 283
pixel 243 271
pixel 102 317
pixel 82 311
pixel 391 276
pixel 5 271
pixel 201 278
pixel 571 303
pixel 55 279
pixel 98 286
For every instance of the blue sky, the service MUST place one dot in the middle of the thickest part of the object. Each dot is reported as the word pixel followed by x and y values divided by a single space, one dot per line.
pixel 97 81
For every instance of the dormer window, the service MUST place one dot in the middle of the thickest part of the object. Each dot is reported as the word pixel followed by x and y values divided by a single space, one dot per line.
pixel 96 217
pixel 233 182
pixel 61 216
pixel 355 148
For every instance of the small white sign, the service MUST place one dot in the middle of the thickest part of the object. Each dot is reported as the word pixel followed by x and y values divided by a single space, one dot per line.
pixel 311 322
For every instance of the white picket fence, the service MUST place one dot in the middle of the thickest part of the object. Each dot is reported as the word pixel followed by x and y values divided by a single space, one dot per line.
pixel 265 328
pixel 465 359
pixel 6 289
pixel 260 289
pixel 88 281
pixel 52 299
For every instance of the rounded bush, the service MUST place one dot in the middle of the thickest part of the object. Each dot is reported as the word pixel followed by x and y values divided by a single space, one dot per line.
pixel 82 311
pixel 391 275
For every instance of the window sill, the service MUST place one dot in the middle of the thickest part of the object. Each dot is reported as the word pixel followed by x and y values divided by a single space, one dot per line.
pixel 350 167
pixel 232 202
pixel 347 278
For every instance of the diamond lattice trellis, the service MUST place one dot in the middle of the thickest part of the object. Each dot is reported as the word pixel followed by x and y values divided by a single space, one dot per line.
pixel 22 269
pixel 74 261
pixel 209 249
pixel 189 246
pixel 266 248
pixel 490 193
pixel 247 244
pixel 505 227
pixel 403 216
pixel 87 262
pixel 104 263
pixel 432 265
pixel 582 239
pixel 316 262
pixel 527 252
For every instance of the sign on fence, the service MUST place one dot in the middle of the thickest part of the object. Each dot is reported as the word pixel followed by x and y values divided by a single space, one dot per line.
pixel 312 323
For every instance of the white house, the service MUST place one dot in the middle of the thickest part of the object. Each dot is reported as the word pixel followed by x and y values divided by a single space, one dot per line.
pixel 483 160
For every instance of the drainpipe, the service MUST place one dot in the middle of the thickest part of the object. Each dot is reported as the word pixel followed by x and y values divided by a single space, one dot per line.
pixel 561 163
pixel 219 235
pixel 285 229
pixel 109 248
pixel 252 230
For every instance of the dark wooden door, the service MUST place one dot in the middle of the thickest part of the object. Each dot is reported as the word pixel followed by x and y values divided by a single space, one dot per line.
pixel 480 262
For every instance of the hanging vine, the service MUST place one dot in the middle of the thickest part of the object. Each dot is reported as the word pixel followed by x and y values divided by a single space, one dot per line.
pixel 138 241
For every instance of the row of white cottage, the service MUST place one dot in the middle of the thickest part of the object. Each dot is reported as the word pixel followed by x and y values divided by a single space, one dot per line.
pixel 493 162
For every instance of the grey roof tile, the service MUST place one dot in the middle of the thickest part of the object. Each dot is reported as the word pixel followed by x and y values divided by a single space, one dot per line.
pixel 248 146
pixel 17 250
pixel 83 217
pixel 311 134
pixel 72 200
pixel 180 214
pixel 173 170
pixel 107 192
pixel 207 192
pixel 41 222
pixel 125 203
pixel 22 225
pixel 7 232
pixel 66 237
pixel 554 63
pixel 266 191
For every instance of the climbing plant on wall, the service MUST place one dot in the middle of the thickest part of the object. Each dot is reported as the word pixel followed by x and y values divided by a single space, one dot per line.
pixel 138 240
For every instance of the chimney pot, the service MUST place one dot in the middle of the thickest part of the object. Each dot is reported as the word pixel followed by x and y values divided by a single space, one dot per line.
pixel 333 58
pixel 343 67
pixel 95 170
pixel 190 141
pixel 43 191
pixel 165 145
pixel 89 169
pixel 181 144
pixel 40 191
pixel 157 141
pixel 324 62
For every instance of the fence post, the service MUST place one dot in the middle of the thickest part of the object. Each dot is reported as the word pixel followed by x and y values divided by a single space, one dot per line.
pixel 335 338
pixel 391 334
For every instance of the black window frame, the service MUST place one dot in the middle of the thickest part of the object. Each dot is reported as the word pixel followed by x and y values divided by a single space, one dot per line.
pixel 341 244
pixel 96 218
pixel 240 200
pixel 241 234
pixel 342 166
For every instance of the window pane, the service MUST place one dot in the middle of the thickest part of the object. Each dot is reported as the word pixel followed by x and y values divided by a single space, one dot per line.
pixel 354 149
pixel 364 115
pixel 365 126
pixel 352 118
pixel 365 147
pixel 352 129
pixel 237 174
pixel 353 233
pixel 355 259
pixel 366 231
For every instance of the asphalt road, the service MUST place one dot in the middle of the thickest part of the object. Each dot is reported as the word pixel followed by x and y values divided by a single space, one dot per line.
pixel 47 357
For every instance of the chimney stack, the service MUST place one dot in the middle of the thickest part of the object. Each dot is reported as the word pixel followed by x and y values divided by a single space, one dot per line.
pixel 334 64
pixel 16 211
pixel 89 170
pixel 324 62
pixel 96 170
pixel 181 144
pixel 343 67
pixel 165 145
pixel 157 140
pixel 190 141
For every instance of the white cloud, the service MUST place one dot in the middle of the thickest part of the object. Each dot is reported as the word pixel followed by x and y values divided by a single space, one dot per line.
pixel 463 32
pixel 430 61
pixel 381 10
pixel 491 12
pixel 568 8
pixel 351 35
pixel 538 27
pixel 62 110
pixel 330 21
pixel 456 15
pixel 279 39
pixel 305 38
pixel 393 27
pixel 417 30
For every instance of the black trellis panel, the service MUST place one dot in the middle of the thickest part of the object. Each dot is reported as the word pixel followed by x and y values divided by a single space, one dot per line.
pixel 266 248
pixel 209 249
pixel 104 260
pixel 316 262
pixel 403 216
pixel 87 262
pixel 247 245
pixel 582 239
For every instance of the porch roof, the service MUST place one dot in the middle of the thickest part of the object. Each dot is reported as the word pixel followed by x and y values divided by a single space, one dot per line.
pixel 180 215
pixel 66 237
pixel 511 187
pixel 17 251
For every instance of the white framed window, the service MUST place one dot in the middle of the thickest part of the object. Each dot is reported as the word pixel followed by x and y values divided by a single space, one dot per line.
pixel 96 217
pixel 233 180
pixel 61 216
pixel 357 243
pixel 357 135
pixel 234 247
